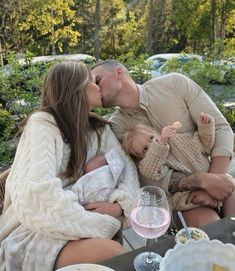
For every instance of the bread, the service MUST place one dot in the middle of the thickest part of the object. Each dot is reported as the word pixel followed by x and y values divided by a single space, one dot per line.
pixel 177 125
pixel 217 267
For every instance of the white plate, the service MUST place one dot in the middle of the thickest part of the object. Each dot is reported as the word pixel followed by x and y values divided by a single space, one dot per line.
pixel 199 255
pixel 85 267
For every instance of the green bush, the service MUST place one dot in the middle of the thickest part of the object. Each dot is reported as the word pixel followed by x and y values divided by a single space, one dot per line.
pixel 104 112
pixel 20 85
pixel 138 67
pixel 7 153
pixel 208 76
pixel 218 81
pixel 6 124
pixel 7 128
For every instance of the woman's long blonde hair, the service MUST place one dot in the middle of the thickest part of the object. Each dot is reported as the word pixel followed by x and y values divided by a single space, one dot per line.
pixel 64 96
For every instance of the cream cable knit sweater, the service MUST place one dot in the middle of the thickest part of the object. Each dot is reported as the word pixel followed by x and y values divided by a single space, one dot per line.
pixel 35 195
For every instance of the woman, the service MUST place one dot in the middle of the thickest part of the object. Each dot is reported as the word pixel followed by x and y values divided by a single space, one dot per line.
pixel 43 227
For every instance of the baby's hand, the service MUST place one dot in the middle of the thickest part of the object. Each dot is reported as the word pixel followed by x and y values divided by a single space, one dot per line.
pixel 95 162
pixel 167 132
pixel 205 118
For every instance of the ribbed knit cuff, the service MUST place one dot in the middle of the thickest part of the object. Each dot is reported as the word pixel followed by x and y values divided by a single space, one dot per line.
pixel 206 129
pixel 158 150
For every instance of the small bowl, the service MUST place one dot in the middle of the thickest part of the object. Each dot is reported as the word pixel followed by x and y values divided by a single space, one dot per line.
pixel 196 234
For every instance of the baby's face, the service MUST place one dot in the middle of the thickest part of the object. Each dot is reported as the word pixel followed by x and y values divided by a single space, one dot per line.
pixel 140 143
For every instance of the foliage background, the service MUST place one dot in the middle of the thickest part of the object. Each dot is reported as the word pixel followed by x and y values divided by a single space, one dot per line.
pixel 110 28
pixel 128 30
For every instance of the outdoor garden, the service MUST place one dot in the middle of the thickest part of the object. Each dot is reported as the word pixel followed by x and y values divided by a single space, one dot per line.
pixel 130 31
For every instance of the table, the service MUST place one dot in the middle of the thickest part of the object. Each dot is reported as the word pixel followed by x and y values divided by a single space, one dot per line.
pixel 221 230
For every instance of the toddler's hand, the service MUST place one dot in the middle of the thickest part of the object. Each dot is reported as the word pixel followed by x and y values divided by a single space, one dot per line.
pixel 205 118
pixel 167 132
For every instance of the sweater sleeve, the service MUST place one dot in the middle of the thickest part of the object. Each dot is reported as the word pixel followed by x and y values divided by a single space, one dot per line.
pixel 206 134
pixel 153 165
pixel 38 198
pixel 126 192
pixel 198 101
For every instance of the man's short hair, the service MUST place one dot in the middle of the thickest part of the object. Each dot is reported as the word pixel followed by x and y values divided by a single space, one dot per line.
pixel 109 64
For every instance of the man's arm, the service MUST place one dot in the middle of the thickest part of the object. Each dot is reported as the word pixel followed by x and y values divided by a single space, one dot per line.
pixel 198 101
pixel 219 186
pixel 219 164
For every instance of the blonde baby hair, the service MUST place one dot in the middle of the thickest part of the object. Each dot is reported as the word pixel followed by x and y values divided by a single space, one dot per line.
pixel 127 141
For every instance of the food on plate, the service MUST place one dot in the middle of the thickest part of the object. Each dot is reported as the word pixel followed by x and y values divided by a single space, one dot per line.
pixel 177 125
pixel 196 234
pixel 217 267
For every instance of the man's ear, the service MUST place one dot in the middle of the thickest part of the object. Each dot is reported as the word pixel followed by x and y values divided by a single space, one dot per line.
pixel 119 72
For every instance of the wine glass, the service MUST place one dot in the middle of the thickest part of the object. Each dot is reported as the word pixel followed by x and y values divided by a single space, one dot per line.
pixel 150 218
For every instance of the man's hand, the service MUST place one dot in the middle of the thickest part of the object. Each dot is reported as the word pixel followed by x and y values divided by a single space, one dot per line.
pixel 112 209
pixel 219 186
pixel 202 198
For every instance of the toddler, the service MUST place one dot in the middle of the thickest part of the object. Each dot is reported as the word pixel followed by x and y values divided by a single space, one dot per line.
pixel 171 155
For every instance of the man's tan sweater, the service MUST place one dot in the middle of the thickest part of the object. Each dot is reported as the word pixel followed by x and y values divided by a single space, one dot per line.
pixel 170 98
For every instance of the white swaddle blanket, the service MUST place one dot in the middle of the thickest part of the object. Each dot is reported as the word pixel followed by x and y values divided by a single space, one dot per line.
pixel 98 184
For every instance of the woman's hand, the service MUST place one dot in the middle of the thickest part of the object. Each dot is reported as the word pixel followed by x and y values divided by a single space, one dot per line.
pixel 112 209
pixel 202 198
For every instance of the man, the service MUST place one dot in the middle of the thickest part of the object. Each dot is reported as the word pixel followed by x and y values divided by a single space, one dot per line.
pixel 161 102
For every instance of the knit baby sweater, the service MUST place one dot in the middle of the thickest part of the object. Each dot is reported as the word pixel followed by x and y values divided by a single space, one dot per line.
pixel 184 153
pixel 36 195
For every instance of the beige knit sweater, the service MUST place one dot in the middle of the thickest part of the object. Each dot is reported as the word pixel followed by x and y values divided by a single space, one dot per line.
pixel 35 193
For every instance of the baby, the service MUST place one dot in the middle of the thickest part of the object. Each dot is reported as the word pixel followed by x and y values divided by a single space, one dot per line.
pixel 171 155
pixel 102 175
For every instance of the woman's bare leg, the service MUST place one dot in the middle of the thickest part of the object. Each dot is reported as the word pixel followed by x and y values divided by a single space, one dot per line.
pixel 88 251
pixel 198 217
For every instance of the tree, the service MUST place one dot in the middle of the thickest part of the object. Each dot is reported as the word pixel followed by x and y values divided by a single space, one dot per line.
pixel 213 16
pixel 227 8
pixel 46 24
pixel 97 28
pixel 149 41
pixel 10 36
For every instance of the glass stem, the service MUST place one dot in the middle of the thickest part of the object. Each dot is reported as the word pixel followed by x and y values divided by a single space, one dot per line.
pixel 149 258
